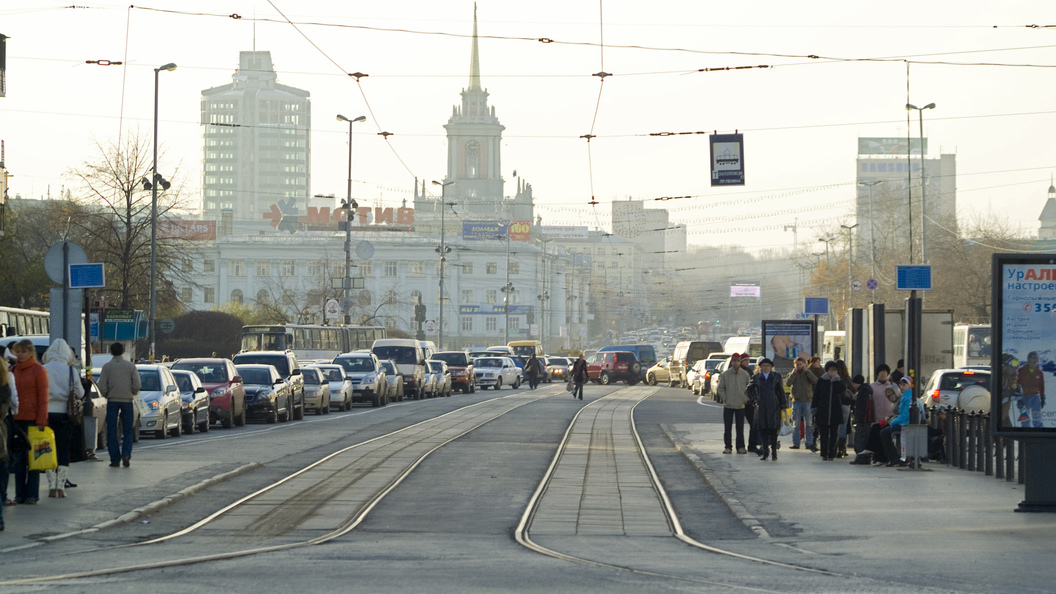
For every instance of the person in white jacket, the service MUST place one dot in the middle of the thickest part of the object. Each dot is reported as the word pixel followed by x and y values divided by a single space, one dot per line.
pixel 63 380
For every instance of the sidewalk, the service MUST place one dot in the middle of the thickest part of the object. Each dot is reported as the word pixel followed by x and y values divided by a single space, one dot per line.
pixel 106 497
pixel 947 521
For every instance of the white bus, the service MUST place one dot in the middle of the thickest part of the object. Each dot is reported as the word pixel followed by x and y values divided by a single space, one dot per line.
pixel 23 322
pixel 311 342
pixel 971 345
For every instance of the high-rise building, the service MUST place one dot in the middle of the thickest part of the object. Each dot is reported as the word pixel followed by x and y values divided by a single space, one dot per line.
pixel 257 137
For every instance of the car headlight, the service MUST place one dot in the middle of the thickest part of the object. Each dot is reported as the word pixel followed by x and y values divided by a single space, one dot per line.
pixel 217 392
pixel 153 404
pixel 370 378
pixel 489 375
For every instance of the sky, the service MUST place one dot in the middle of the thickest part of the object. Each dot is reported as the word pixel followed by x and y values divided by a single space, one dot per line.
pixel 800 116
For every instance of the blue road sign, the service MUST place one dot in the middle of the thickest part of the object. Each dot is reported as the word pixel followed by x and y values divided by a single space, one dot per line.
pixel 816 305
pixel 871 284
pixel 914 277
pixel 87 276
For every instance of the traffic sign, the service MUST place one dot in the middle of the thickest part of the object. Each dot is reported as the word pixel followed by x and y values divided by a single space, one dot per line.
pixel 53 260
pixel 333 309
pixel 914 277
pixel 87 276
pixel 430 327
pixel 167 325
pixel 871 284
pixel 856 285
pixel 816 305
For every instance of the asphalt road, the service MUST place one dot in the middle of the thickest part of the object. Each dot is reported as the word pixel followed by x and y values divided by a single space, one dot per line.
pixel 450 524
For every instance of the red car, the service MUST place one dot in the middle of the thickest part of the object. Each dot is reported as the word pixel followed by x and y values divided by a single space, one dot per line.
pixel 461 366
pixel 606 367
pixel 227 395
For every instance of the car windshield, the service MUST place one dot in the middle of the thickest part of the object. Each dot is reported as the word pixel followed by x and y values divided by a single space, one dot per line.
pixel 389 367
pixel 960 381
pixel 487 362
pixel 712 364
pixel 435 366
pixel 255 375
pixel 206 373
pixel 149 381
pixel 399 354
pixel 311 377
pixel 278 361
pixel 355 364
pixel 184 382
pixel 332 375
pixel 452 358
pixel 524 350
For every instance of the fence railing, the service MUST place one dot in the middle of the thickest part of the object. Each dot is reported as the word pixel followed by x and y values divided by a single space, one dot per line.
pixel 969 445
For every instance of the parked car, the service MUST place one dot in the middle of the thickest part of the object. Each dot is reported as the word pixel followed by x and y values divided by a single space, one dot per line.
pixel 340 385
pixel 227 396
pixel 558 368
pixel 545 375
pixel 966 389
pixel 409 358
pixel 496 372
pixel 195 401
pixel 707 378
pixel 268 395
pixel 606 367
pixel 393 381
pixel 286 364
pixel 659 373
pixel 441 377
pixel 316 391
pixel 159 391
pixel 695 378
pixel 461 366
pixel 369 378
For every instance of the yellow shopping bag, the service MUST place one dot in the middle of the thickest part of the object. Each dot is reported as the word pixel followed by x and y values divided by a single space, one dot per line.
pixel 42 454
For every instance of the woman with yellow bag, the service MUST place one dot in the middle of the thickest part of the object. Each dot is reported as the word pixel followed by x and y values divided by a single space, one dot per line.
pixel 63 384
pixel 31 381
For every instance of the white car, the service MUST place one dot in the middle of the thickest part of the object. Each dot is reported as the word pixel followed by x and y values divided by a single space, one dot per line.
pixel 159 390
pixel 368 378
pixel 340 385
pixel 393 380
pixel 496 372
pixel 966 389
pixel 440 377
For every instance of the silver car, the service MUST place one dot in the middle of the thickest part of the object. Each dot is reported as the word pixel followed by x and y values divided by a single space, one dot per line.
pixel 161 394
pixel 368 378
pixel 195 401
pixel 340 385
pixel 439 377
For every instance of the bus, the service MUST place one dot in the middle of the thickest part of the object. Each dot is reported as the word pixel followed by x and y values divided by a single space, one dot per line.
pixel 24 322
pixel 971 345
pixel 311 342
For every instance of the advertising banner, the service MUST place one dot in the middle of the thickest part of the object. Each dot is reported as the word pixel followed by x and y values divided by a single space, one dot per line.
pixel 485 230
pixel 784 340
pixel 1023 358
pixel 890 146
pixel 564 232
pixel 188 230
pixel 727 159
pixel 745 291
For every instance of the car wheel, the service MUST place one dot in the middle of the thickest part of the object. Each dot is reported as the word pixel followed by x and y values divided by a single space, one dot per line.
pixel 163 432
pixel 375 400
pixel 604 378
pixel 498 384
pixel 385 400
pixel 177 431
pixel 516 384
pixel 241 419
pixel 203 427
pixel 298 411
pixel 188 427
pixel 636 367
pixel 228 421
pixel 650 379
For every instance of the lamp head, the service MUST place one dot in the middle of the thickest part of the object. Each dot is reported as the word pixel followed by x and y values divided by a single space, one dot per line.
pixel 929 106
pixel 170 66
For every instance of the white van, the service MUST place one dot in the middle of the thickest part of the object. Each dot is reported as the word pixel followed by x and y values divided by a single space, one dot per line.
pixel 428 348
pixel 409 358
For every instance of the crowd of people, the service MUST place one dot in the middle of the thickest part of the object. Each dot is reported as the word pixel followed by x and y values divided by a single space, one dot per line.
pixel 38 395
pixel 828 408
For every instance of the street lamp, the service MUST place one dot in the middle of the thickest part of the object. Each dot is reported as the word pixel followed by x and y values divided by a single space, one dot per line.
pixel 154 219
pixel 349 204
pixel 542 314
pixel 872 227
pixel 923 222
pixel 850 260
pixel 827 239
pixel 443 250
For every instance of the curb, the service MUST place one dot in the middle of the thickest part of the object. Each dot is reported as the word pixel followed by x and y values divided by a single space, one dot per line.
pixel 725 489
pixel 155 506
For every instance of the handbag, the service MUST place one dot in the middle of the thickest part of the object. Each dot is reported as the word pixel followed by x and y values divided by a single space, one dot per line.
pixel 786 423
pixel 42 454
pixel 570 386
pixel 74 406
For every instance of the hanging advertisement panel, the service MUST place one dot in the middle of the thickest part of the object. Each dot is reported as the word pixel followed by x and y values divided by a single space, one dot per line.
pixel 1023 357
pixel 784 340
pixel 727 159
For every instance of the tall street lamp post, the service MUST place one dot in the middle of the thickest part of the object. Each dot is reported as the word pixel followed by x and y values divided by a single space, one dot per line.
pixel 850 261
pixel 154 219
pixel 923 220
pixel 872 228
pixel 349 205
pixel 443 250
pixel 507 289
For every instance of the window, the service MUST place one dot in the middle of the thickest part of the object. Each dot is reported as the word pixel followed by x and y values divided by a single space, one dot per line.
pixel 288 268
pixel 515 322
pixel 515 298
pixel 186 294
pixel 238 268
pixel 601 266
pixel 467 323
pixel 188 265
pixel 263 267
pixel 390 297
pixel 416 268
pixel 390 268
pixel 601 251
pixel 515 267
pixel 236 296
pixel 365 268
pixel 262 296
pixel 209 266
pixel 491 324
pixel 614 265
pixel 467 296
pixel 491 296
pixel 337 270
pixel 209 295
pixel 467 268
pixel 491 268
pixel 315 268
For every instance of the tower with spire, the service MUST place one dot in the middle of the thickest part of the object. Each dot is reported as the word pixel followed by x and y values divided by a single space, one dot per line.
pixel 1047 220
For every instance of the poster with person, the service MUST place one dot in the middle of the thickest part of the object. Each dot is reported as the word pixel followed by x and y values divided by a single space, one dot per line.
pixel 784 340
pixel 1023 363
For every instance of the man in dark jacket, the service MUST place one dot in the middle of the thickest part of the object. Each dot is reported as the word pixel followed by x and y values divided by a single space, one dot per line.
pixel 863 412
pixel 532 369
pixel 579 376
pixel 830 394
pixel 771 401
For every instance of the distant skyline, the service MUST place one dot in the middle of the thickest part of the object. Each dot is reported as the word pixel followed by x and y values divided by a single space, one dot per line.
pixel 801 115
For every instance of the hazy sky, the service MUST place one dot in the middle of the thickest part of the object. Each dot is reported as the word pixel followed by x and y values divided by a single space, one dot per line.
pixel 801 117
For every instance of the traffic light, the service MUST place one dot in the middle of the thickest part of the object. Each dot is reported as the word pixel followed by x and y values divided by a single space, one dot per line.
pixel 419 313
pixel 530 317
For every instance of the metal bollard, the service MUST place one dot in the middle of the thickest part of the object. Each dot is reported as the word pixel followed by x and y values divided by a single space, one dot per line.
pixel 1010 459
pixel 962 440
pixel 988 447
pixel 1022 463
pixel 999 454
pixel 971 441
pixel 947 437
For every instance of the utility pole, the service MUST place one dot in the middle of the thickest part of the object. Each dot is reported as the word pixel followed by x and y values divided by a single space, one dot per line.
pixel 443 250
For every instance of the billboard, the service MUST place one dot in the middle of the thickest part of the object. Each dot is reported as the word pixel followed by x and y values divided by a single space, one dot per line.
pixel 784 340
pixel 189 230
pixel 1023 354
pixel 745 291
pixel 890 146
pixel 484 230
pixel 727 159
pixel 564 232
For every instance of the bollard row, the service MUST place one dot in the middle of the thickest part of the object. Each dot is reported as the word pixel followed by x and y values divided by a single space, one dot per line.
pixel 970 445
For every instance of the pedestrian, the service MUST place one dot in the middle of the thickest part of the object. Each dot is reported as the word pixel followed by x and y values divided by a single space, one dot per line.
pixel 881 403
pixel 863 412
pixel 31 381
pixel 893 429
pixel 1031 382
pixel 816 367
pixel 841 436
pixel 829 394
pixel 731 393
pixel 771 401
pixel 899 372
pixel 119 384
pixel 801 381
pixel 531 369
pixel 749 409
pixel 62 385
pixel 7 399
pixel 579 376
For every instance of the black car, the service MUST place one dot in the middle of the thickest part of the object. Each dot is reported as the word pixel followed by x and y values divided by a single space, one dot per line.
pixel 286 364
pixel 267 394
